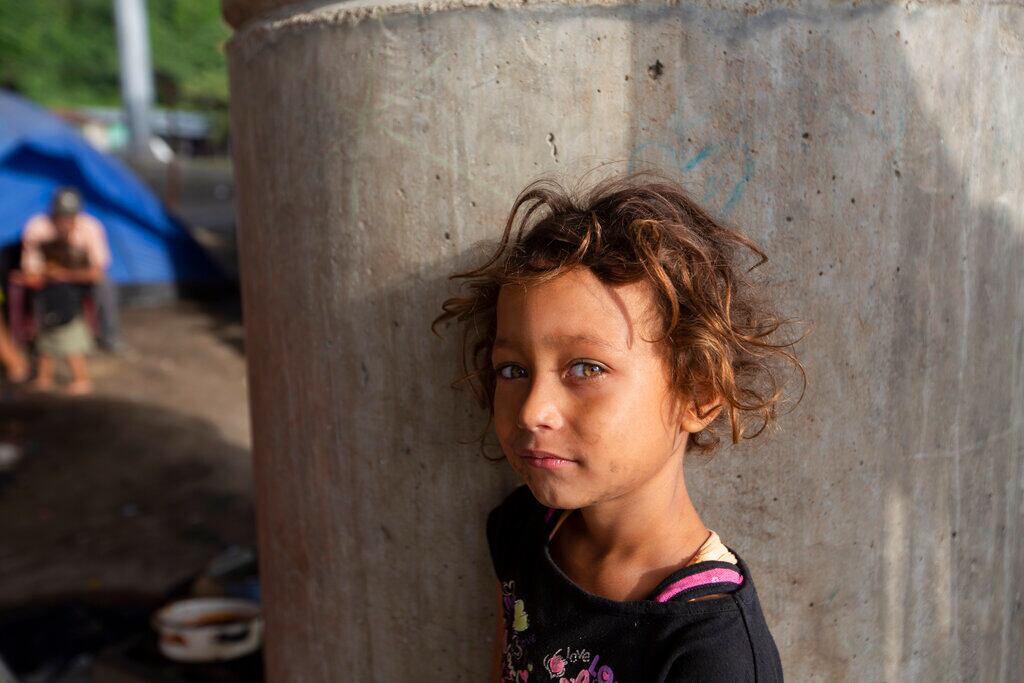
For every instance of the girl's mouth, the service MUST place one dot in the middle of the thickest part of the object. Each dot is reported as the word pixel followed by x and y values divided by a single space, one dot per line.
pixel 544 460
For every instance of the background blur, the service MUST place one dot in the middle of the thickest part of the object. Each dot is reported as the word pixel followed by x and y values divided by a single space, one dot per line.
pixel 115 504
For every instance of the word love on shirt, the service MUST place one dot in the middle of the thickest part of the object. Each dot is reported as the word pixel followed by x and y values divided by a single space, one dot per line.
pixel 558 664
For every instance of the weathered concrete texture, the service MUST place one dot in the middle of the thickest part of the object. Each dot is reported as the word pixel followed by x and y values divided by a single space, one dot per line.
pixel 875 152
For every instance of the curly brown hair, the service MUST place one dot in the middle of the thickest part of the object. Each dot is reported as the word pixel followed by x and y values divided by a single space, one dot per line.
pixel 720 335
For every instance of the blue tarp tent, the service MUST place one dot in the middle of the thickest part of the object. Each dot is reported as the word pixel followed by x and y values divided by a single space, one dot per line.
pixel 39 152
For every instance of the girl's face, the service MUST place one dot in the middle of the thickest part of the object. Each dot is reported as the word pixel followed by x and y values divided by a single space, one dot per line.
pixel 583 408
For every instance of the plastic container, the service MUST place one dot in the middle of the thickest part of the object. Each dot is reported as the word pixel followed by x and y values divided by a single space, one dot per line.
pixel 209 629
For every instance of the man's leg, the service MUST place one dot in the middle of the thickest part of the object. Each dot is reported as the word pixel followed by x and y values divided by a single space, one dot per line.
pixel 104 294
pixel 80 383
pixel 11 358
pixel 44 372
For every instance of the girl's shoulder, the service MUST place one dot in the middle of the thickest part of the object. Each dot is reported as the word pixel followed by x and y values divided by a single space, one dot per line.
pixel 516 525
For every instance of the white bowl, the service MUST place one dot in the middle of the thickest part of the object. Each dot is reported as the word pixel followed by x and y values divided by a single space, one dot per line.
pixel 209 629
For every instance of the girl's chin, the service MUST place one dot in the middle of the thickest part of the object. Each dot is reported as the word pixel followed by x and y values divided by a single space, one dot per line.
pixel 552 496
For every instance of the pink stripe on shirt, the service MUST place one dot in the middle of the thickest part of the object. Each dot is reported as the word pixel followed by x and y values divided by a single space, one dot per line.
pixel 703 578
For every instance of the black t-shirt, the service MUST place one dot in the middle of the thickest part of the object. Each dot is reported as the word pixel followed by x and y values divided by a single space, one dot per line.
pixel 555 631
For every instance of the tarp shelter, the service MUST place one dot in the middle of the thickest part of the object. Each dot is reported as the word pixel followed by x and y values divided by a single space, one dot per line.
pixel 39 152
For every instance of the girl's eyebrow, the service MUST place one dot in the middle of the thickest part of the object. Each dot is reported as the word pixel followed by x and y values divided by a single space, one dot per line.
pixel 557 340
pixel 579 339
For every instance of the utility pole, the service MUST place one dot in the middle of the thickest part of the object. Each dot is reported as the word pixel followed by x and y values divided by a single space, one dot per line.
pixel 136 72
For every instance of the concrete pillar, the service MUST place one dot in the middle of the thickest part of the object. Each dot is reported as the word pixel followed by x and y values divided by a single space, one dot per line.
pixel 873 148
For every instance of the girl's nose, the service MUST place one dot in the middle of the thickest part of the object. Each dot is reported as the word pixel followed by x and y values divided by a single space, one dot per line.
pixel 540 410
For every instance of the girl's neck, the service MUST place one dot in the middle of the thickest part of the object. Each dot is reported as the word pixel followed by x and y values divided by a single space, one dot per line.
pixel 655 522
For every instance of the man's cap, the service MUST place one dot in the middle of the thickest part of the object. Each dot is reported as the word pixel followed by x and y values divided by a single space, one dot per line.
pixel 66 202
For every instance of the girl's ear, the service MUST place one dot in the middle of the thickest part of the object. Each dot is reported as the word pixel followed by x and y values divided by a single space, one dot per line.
pixel 698 415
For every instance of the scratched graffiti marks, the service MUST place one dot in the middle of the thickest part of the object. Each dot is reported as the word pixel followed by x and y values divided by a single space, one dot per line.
pixel 726 165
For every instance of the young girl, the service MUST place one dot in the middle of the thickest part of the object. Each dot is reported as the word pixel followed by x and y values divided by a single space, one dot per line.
pixel 608 334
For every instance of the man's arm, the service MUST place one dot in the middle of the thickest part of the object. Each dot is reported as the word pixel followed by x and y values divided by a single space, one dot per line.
pixel 96 246
pixel 87 275
pixel 36 231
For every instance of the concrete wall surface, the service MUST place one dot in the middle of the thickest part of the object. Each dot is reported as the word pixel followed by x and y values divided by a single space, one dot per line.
pixel 874 149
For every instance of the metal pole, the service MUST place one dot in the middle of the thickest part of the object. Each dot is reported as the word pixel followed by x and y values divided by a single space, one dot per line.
pixel 136 72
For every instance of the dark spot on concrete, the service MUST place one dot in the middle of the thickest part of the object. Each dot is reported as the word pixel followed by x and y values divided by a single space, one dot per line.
pixel 437 176
pixel 387 533
pixel 820 273
pixel 656 70
pixel 627 77
pixel 852 200
pixel 897 269
pixel 789 219
pixel 872 112
pixel 553 146
pixel 806 136
pixel 897 172
pixel 447 236
pixel 833 177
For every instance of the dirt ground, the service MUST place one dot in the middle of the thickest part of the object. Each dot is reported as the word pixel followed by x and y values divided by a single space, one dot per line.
pixel 138 486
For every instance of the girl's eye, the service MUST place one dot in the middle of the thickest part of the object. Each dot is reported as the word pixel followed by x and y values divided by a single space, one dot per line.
pixel 586 370
pixel 510 371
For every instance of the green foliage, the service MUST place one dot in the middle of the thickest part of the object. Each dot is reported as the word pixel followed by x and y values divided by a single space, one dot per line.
pixel 64 52
pixel 187 37
pixel 59 52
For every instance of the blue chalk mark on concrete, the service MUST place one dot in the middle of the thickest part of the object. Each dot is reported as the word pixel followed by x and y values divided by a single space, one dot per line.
pixel 710 189
pixel 680 155
pixel 737 191
pixel 698 157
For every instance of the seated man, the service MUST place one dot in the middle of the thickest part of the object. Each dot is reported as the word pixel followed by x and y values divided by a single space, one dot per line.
pixel 63 334
pixel 66 221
